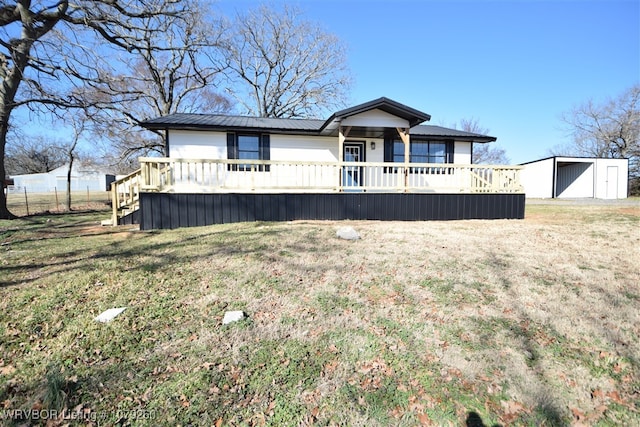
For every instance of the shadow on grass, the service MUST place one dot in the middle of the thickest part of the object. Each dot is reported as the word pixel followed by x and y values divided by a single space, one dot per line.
pixel 545 410
pixel 47 225
pixel 474 420
pixel 143 252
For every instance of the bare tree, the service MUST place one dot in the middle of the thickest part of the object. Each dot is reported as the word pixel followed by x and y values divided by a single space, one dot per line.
pixel 610 130
pixel 483 153
pixel 35 70
pixel 281 66
pixel 180 76
pixel 79 123
pixel 32 154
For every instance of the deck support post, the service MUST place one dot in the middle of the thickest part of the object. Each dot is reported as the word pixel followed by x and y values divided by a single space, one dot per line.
pixel 343 133
pixel 404 136
pixel 342 136
pixel 114 204
pixel 341 139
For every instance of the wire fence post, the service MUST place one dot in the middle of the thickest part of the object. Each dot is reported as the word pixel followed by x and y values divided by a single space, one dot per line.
pixel 26 200
pixel 57 202
pixel 88 198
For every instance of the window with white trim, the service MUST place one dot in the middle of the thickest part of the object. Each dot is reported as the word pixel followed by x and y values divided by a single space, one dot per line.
pixel 249 146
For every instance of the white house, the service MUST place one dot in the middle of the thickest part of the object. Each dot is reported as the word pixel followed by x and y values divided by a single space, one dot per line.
pixel 82 178
pixel 359 163
pixel 576 177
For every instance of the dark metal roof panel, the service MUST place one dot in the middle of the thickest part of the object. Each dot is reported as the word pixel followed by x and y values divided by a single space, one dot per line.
pixel 215 121
pixel 303 126
pixel 442 132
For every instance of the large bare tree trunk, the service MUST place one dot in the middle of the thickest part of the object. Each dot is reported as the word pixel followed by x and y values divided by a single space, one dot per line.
pixel 10 83
pixel 4 210
pixel 12 71
pixel 69 171
pixel 27 60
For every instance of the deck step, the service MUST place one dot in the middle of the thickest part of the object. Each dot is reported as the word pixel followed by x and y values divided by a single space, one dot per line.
pixel 106 222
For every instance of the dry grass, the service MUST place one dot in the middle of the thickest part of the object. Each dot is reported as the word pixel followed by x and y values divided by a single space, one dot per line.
pixel 532 322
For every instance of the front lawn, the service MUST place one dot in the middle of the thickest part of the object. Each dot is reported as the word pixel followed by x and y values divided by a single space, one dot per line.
pixel 531 322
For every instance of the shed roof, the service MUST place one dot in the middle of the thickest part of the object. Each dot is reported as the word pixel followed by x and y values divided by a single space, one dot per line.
pixel 574 159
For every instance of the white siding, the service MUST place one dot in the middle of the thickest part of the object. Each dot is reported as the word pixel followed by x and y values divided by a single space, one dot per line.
pixel 377 154
pixel 462 153
pixel 375 118
pixel 304 148
pixel 537 179
pixel 604 188
pixel 185 144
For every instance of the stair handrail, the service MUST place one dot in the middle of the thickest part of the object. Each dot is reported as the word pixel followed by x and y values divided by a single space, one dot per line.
pixel 131 193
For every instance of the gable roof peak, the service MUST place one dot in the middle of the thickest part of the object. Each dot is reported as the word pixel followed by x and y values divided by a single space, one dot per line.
pixel 413 116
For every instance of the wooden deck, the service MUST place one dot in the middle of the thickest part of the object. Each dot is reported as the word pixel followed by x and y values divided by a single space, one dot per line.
pixel 318 179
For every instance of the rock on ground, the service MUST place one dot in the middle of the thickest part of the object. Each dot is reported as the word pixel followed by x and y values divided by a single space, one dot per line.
pixel 232 316
pixel 347 233
pixel 109 315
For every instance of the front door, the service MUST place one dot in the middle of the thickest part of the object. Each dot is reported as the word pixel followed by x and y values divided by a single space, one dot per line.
pixel 352 175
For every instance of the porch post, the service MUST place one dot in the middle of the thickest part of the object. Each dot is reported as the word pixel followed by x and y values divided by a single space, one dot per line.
pixel 341 138
pixel 342 135
pixel 404 136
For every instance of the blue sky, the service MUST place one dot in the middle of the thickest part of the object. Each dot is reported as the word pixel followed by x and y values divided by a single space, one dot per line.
pixel 515 66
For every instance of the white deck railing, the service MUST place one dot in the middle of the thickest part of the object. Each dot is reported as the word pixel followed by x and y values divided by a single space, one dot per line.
pixel 125 194
pixel 203 175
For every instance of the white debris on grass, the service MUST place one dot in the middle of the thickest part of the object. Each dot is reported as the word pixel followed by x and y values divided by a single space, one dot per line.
pixel 347 233
pixel 232 316
pixel 109 315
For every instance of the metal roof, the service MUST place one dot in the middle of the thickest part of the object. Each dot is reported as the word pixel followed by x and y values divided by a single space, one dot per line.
pixel 413 116
pixel 572 159
pixel 216 121
pixel 192 121
pixel 439 131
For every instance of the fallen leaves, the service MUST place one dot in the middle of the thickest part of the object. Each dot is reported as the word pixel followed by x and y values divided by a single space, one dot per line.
pixel 376 365
pixel 511 411
pixel 184 402
pixel 7 370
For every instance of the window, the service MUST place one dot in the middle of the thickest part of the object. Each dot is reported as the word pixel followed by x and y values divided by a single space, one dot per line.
pixel 398 152
pixel 420 151
pixel 250 147
pixel 428 152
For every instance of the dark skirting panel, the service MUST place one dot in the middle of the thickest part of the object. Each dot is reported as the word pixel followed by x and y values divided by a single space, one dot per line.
pixel 169 210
